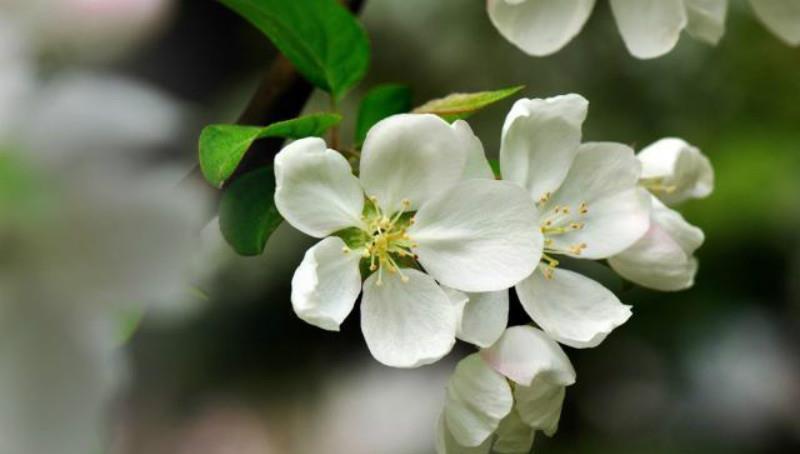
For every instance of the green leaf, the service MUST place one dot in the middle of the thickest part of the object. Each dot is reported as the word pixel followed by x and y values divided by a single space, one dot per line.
pixel 223 146
pixel 247 212
pixel 128 322
pixel 462 105
pixel 379 103
pixel 320 37
pixel 495 165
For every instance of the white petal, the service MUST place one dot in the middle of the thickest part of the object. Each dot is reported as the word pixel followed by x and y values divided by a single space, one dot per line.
pixel 446 444
pixel 326 284
pixel 484 318
pixel 539 405
pixel 407 324
pixel 315 190
pixel 478 398
pixel 539 27
pixel 782 17
pixel 571 308
pixel 706 19
pixel 662 258
pixel 688 237
pixel 412 157
pixel 540 140
pixel 603 176
pixel 480 236
pixel 676 171
pixel 650 28
pixel 514 436
pixel 523 353
pixel 477 165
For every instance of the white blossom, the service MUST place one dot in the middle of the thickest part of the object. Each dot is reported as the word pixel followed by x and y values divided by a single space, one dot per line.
pixel 649 28
pixel 590 207
pixel 413 203
pixel 663 259
pixel 499 398
pixel 676 171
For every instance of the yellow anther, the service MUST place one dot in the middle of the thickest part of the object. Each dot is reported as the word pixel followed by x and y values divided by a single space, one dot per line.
pixel 346 250
pixel 583 208
pixel 577 249
pixel 545 197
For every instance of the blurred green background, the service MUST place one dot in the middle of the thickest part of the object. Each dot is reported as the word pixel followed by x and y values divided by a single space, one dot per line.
pixel 712 369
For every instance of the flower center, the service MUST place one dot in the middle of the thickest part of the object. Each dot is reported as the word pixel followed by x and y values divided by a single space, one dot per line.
pixel 658 185
pixel 386 242
pixel 558 221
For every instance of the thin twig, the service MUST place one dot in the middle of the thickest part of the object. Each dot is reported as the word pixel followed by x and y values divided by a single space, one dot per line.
pixel 281 95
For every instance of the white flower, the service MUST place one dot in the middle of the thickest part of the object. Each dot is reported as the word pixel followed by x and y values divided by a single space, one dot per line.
pixel 649 28
pixel 590 207
pixel 663 258
pixel 497 399
pixel 676 171
pixel 410 205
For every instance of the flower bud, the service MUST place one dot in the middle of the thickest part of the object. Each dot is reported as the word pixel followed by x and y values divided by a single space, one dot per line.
pixel 675 171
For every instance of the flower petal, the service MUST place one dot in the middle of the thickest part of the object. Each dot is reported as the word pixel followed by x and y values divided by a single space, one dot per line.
pixel 477 165
pixel 662 258
pixel 514 436
pixel 411 156
pixel 446 444
pixel 782 17
pixel 484 318
pixel 539 27
pixel 604 177
pixel 676 171
pixel 650 28
pixel 315 189
pixel 480 236
pixel 706 19
pixel 478 398
pixel 540 140
pixel 571 308
pixel 407 324
pixel 326 284
pixel 523 353
pixel 539 405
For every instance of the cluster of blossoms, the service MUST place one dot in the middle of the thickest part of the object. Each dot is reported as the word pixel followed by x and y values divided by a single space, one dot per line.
pixel 649 28
pixel 438 241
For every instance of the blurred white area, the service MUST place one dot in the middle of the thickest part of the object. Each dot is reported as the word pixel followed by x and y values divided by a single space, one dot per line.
pixel 85 113
pixel 745 380
pixel 91 30
pixel 376 409
pixel 360 407
pixel 90 234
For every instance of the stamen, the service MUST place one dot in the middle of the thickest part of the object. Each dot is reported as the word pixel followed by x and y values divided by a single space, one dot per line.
pixel 388 240
pixel 577 249
pixel 545 198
